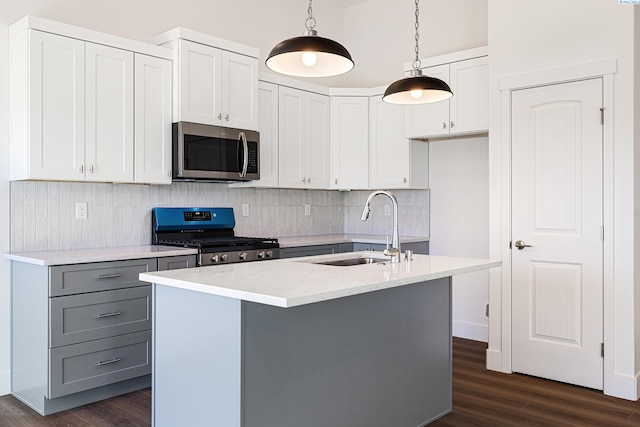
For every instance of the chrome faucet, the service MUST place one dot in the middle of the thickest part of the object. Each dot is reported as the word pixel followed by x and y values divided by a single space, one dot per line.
pixel 394 251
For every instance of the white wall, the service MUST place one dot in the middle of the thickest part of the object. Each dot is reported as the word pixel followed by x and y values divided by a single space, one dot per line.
pixel 5 311
pixel 459 183
pixel 380 34
pixel 527 36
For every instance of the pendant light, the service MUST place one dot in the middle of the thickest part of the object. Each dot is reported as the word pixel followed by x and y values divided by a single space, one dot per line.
pixel 309 55
pixel 417 88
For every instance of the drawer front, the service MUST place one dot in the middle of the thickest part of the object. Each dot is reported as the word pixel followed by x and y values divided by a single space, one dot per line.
pixel 100 276
pixel 175 262
pixel 84 366
pixel 86 317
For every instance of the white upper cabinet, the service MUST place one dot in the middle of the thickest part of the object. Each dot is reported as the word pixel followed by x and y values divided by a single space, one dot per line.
pixel 303 139
pixel 350 142
pixel 395 162
pixel 212 84
pixel 469 106
pixel 72 113
pixel 198 80
pixel 467 112
pixel 108 113
pixel 268 113
pixel 47 107
pixel 152 147
pixel 240 91
pixel 429 119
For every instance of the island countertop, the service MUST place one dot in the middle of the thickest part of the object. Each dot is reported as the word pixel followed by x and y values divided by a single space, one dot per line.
pixel 299 281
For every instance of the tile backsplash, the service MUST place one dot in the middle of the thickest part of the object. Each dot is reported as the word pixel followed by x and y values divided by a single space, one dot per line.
pixel 43 213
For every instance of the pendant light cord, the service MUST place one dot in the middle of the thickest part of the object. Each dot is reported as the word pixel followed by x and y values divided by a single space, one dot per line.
pixel 310 23
pixel 417 63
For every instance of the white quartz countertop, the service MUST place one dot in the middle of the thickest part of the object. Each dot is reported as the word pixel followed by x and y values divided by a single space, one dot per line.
pixel 80 256
pixel 330 239
pixel 298 281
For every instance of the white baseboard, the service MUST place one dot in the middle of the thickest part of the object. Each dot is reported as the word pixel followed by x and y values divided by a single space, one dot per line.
pixel 5 383
pixel 622 386
pixel 470 331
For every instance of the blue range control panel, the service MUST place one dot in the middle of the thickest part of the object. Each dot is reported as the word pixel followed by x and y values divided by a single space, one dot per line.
pixel 168 219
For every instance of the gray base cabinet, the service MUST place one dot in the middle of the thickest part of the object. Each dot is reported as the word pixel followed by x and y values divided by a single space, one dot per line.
pixel 82 332
pixel 377 359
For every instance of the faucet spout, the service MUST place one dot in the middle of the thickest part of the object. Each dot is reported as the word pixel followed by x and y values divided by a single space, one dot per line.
pixel 394 251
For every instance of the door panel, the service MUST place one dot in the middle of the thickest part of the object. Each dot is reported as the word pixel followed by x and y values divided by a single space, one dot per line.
pixel 557 209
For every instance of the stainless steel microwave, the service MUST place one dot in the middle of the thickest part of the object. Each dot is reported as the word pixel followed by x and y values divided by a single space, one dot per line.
pixel 214 153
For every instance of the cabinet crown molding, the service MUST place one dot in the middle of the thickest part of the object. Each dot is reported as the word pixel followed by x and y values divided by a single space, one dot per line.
pixel 30 22
pixel 206 39
pixel 448 58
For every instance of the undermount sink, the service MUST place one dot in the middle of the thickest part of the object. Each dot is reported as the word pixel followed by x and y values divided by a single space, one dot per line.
pixel 352 261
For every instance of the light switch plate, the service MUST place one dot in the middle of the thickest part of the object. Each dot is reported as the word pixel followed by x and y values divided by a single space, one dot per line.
pixel 307 210
pixel 245 209
pixel 387 210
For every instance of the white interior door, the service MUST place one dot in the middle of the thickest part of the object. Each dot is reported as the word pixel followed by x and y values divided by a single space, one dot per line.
pixel 557 281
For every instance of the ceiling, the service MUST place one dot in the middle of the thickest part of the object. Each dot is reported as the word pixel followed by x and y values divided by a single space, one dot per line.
pixel 347 3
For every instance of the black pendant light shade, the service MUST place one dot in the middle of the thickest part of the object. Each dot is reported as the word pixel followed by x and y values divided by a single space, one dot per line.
pixel 417 89
pixel 309 56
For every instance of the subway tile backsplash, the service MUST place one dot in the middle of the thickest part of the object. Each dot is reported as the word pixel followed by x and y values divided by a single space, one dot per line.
pixel 43 213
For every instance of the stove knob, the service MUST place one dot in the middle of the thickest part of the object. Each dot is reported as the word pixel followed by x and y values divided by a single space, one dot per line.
pixel 269 254
pixel 224 257
pixel 243 256
pixel 215 258
pixel 261 255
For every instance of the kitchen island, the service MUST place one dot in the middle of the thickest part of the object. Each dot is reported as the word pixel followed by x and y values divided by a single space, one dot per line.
pixel 295 342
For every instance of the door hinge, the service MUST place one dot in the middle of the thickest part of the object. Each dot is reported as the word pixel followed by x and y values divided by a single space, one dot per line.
pixel 602 116
pixel 602 349
pixel 602 233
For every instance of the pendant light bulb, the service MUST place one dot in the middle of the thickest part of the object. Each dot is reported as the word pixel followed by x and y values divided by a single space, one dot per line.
pixel 416 93
pixel 417 88
pixel 309 55
pixel 309 59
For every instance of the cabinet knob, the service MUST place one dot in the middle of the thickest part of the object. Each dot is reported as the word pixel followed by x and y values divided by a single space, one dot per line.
pixel 404 180
pixel 226 117
pixel 444 125
pixel 304 180
pixel 219 116
pixel 452 124
pixel 336 181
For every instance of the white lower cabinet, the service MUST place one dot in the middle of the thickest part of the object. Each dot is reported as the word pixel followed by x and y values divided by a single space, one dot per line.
pixel 72 113
pixel 395 162
pixel 303 139
pixel 81 332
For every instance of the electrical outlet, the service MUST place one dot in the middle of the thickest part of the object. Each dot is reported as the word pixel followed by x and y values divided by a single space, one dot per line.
pixel 81 210
pixel 245 209
pixel 387 210
pixel 307 210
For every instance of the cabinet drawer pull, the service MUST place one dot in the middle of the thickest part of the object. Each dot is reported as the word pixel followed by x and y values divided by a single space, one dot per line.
pixel 109 362
pixel 103 315
pixel 444 125
pixel 108 276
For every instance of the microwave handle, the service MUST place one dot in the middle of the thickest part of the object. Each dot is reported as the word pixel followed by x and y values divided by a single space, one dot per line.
pixel 245 158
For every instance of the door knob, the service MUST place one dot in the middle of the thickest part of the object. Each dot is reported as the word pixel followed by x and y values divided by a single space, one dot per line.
pixel 520 244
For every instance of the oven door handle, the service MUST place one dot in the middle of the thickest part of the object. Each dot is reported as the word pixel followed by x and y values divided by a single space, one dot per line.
pixel 245 156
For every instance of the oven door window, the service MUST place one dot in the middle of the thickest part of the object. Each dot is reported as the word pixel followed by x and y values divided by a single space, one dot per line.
pixel 212 154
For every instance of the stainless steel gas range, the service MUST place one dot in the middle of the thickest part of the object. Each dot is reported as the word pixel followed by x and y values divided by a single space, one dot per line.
pixel 210 230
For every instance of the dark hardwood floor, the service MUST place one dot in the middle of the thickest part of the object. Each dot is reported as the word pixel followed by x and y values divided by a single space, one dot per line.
pixel 480 398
